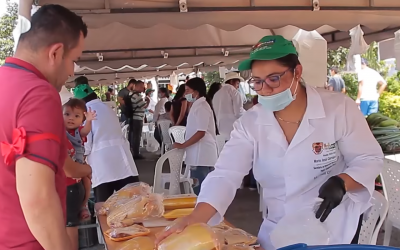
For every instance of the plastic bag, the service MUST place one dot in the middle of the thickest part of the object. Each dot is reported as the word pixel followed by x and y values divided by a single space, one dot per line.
pixel 127 192
pixel 152 144
pixel 139 243
pixel 222 226
pixel 237 247
pixel 126 233
pixel 300 226
pixel 136 210
pixel 236 236
pixel 193 237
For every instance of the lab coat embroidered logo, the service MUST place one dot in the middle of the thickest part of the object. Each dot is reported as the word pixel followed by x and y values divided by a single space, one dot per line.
pixel 318 147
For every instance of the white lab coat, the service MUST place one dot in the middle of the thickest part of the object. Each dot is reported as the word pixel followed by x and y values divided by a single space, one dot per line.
pixel 201 118
pixel 292 175
pixel 106 148
pixel 160 108
pixel 228 107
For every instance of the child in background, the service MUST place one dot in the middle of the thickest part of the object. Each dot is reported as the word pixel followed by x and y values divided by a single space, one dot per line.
pixel 75 114
pixel 166 116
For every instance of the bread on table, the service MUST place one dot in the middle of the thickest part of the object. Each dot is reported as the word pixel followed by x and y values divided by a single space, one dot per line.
pixel 126 233
pixel 127 192
pixel 139 243
pixel 136 210
pixel 193 237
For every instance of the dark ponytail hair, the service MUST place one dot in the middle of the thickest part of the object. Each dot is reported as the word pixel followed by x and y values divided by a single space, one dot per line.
pixel 199 85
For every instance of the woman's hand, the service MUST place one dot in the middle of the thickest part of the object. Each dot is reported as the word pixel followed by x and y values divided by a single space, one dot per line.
pixel 177 227
pixel 332 191
pixel 178 145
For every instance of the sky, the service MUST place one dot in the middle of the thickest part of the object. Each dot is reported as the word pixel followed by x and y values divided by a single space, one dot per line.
pixel 3 6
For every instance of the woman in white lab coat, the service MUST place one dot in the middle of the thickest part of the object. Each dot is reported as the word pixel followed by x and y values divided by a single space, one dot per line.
pixel 201 130
pixel 107 150
pixel 302 143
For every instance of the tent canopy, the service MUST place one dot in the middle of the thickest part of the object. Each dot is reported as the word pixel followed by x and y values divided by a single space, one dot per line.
pixel 155 38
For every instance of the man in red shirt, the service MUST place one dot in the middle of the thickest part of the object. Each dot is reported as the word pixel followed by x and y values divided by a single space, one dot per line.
pixel 32 133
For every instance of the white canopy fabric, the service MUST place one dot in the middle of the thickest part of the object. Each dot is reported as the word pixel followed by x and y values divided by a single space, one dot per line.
pixel 136 37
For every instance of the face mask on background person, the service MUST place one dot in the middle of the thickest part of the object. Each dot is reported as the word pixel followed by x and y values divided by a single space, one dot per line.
pixel 190 98
pixel 278 101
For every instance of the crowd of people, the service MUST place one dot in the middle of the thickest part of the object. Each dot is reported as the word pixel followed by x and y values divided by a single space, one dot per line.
pixel 300 142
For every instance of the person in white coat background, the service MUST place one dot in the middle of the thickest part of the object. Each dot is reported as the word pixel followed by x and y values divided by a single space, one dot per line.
pixel 302 143
pixel 201 131
pixel 106 148
pixel 228 104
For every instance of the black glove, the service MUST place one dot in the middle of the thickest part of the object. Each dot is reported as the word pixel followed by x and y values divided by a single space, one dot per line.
pixel 332 191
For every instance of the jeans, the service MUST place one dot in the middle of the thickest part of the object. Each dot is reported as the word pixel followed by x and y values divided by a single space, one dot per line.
pixel 135 135
pixel 157 135
pixel 198 174
pixel 369 107
pixel 122 118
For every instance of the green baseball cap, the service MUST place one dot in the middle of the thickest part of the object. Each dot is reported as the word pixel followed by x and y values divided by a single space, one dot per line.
pixel 268 48
pixel 83 90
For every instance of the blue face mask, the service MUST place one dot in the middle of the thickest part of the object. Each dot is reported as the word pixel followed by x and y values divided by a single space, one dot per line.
pixel 278 101
pixel 190 98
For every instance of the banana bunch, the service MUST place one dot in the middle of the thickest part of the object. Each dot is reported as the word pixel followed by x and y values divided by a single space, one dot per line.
pixel 379 120
pixel 386 131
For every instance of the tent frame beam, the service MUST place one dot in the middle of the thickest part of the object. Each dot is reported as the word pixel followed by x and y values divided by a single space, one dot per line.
pixel 227 47
pixel 160 57
pixel 371 7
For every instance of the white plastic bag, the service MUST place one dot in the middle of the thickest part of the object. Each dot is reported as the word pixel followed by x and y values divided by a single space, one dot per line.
pixel 152 144
pixel 312 49
pixel 358 47
pixel 397 48
pixel 300 227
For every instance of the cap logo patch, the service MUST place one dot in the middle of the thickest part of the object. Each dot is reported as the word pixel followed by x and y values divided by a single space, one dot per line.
pixel 262 46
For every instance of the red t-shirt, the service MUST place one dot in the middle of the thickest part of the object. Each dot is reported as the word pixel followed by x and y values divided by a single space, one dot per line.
pixel 28 101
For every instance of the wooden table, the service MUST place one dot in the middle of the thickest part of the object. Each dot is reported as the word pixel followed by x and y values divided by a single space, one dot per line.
pixel 112 245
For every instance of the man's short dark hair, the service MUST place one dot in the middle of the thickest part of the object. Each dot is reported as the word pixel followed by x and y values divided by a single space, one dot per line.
pixel 139 82
pixel 53 24
pixel 110 90
pixel 165 91
pixel 132 81
pixel 335 69
pixel 81 80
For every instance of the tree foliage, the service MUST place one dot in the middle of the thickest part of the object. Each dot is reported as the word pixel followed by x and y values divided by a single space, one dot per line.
pixel 212 76
pixel 7 25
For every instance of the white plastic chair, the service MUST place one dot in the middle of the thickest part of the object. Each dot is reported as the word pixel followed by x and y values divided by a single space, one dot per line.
pixel 174 178
pixel 177 134
pixel 391 187
pixel 163 127
pixel 125 131
pixel 220 143
pixel 370 227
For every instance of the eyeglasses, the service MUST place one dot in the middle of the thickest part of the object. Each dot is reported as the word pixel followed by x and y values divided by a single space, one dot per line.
pixel 273 81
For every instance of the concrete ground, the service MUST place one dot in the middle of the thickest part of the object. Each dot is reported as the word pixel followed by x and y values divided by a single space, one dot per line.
pixel 243 213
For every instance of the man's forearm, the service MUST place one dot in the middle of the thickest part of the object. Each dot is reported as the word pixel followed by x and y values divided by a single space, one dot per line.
pixel 76 170
pixel 46 221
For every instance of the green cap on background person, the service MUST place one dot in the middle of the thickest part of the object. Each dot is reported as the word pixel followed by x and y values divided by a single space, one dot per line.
pixel 149 90
pixel 268 48
pixel 83 90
